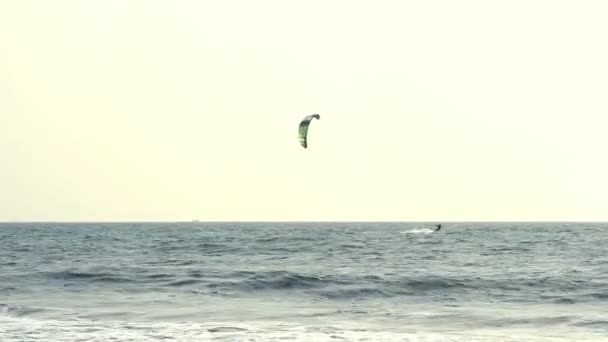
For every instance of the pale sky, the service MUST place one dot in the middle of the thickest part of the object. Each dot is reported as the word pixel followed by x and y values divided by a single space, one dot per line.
pixel 178 110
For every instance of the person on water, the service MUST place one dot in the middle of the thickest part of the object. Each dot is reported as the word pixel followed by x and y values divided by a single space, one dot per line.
pixel 438 227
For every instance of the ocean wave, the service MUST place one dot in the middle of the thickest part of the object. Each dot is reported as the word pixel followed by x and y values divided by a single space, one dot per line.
pixel 18 310
pixel 558 290
pixel 268 239
pixel 352 293
pixel 90 277
pixel 184 282
pixel 156 276
pixel 527 321
pixel 14 329
pixel 564 300
pixel 598 295
pixel 351 286
pixel 594 324
pixel 429 284
pixel 281 280
pixel 338 287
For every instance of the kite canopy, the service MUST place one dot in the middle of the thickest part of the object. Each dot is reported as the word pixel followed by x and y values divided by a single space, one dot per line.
pixel 303 130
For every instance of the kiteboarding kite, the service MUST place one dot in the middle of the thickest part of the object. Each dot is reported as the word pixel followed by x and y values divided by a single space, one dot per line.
pixel 303 130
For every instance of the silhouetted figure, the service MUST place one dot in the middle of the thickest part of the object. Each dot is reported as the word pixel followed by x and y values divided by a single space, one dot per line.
pixel 438 227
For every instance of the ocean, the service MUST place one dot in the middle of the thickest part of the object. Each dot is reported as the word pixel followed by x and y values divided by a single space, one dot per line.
pixel 324 281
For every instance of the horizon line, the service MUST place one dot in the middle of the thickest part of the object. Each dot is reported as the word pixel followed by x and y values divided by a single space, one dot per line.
pixel 301 221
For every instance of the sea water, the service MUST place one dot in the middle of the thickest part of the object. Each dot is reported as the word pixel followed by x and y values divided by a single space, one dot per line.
pixel 280 281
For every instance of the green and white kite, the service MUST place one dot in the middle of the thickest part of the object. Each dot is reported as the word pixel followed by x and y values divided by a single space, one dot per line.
pixel 303 130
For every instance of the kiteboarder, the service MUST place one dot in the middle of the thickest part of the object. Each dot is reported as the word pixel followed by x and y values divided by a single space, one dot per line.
pixel 438 227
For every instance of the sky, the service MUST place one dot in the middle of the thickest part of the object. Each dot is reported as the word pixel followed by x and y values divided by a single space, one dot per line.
pixel 119 110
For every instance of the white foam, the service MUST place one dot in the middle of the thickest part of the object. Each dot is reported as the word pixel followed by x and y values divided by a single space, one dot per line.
pixel 13 329
pixel 418 231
